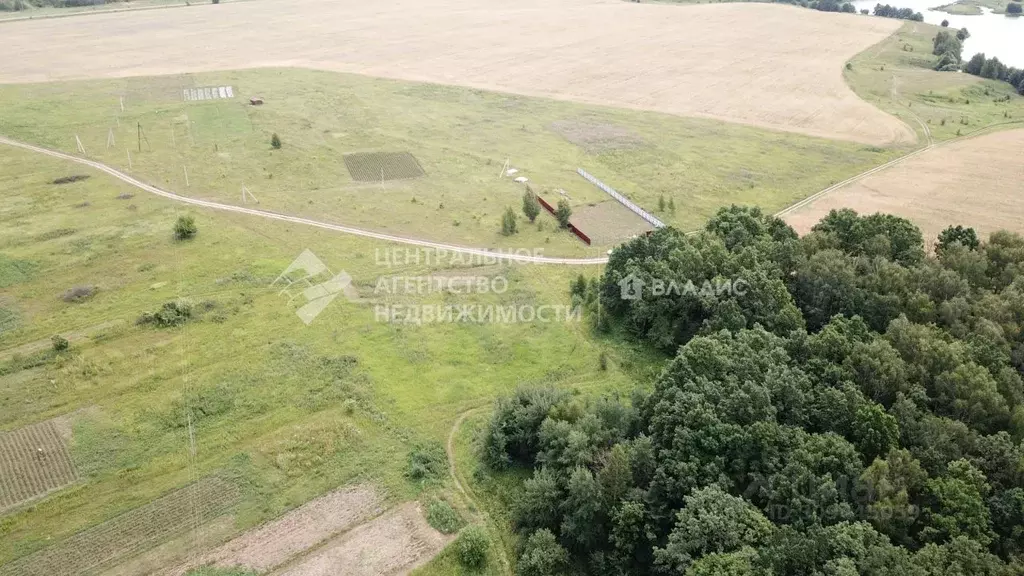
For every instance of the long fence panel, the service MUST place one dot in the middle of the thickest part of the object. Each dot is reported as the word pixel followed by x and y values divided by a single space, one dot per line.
pixel 621 199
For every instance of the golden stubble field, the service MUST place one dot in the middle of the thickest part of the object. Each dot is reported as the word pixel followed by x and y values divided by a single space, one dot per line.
pixel 978 182
pixel 765 65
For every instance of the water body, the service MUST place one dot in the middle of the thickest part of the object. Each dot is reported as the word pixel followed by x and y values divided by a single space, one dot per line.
pixel 994 34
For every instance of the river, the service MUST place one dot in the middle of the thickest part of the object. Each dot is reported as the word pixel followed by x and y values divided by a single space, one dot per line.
pixel 993 34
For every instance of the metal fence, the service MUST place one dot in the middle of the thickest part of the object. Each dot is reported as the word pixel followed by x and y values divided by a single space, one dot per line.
pixel 621 199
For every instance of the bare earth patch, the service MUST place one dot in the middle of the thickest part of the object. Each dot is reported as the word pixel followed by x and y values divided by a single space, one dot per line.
pixel 609 222
pixel 276 542
pixel 394 543
pixel 596 138
pixel 766 65
pixel 977 182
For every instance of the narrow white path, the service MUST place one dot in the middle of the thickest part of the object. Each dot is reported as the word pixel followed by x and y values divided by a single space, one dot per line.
pixel 509 256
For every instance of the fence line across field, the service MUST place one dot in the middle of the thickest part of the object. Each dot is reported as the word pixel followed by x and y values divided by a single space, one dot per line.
pixel 621 199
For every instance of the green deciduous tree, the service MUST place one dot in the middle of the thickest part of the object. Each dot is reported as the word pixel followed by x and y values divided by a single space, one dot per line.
pixel 531 206
pixel 563 212
pixel 509 225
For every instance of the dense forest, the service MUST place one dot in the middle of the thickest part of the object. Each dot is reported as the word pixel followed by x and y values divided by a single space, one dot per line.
pixel 857 409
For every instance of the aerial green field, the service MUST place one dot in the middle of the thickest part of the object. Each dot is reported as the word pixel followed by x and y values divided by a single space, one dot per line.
pixel 897 76
pixel 461 138
pixel 242 390
pixel 283 410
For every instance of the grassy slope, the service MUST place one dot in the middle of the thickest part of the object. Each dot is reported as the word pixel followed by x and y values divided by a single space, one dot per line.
pixel 461 137
pixel 285 433
pixel 896 75
pixel 972 7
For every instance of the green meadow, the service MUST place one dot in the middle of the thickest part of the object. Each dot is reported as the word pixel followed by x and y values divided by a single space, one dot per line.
pixel 287 411
pixel 461 137
pixel 896 75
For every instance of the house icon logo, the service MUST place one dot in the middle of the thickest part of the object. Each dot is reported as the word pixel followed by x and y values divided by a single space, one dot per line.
pixel 631 287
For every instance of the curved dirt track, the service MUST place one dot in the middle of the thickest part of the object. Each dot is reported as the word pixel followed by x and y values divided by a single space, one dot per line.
pixel 977 181
pixel 509 256
pixel 766 65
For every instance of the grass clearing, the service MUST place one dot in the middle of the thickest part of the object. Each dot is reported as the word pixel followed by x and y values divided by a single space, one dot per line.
pixel 461 137
pixel 896 75
pixel 284 411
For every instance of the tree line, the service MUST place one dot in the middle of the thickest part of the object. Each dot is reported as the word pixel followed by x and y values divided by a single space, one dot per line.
pixel 857 410
pixel 993 69
pixel 886 11
pixel 949 48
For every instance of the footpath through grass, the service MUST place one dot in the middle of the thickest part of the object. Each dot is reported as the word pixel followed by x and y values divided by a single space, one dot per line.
pixel 897 76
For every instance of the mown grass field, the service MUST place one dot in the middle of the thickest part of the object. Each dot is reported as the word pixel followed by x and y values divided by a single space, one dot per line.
pixel 285 411
pixel 460 136
pixel 897 76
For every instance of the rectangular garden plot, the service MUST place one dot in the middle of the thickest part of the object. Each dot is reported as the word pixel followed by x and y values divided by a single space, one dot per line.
pixel 381 166
pixel 130 533
pixel 34 461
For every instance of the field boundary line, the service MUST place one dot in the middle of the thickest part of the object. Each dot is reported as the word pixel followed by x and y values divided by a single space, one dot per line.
pixel 512 257
pixel 979 132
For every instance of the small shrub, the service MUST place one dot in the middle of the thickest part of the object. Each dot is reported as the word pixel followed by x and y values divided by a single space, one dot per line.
pixel 185 228
pixel 275 141
pixel 71 179
pixel 349 406
pixel 169 315
pixel 60 343
pixel 443 517
pixel 427 461
pixel 849 65
pixel 602 361
pixel 471 547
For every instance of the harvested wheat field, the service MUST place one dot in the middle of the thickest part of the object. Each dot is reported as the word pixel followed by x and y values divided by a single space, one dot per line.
pixel 765 65
pixel 977 182
pixel 394 543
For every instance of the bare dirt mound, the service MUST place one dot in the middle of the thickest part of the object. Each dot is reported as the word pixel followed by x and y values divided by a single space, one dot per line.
pixel 394 543
pixel 977 182
pixel 766 65
pixel 276 542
